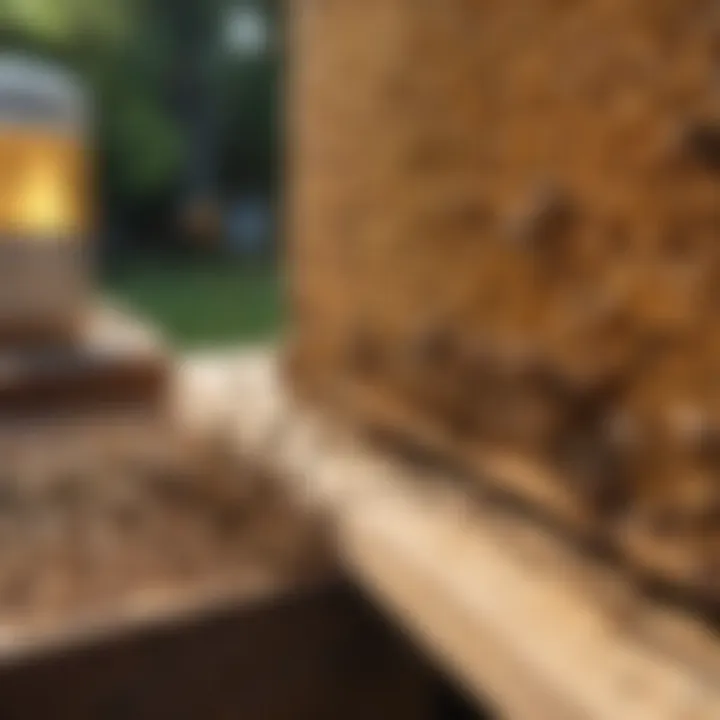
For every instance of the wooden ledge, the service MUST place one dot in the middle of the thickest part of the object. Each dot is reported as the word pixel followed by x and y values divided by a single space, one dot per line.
pixel 515 614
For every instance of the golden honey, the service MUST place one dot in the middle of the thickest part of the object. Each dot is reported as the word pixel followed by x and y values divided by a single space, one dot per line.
pixel 43 186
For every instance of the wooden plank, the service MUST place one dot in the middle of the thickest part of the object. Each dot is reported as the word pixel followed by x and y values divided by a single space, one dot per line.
pixel 513 612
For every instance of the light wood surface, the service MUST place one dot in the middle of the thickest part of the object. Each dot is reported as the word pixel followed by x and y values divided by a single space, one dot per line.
pixel 516 615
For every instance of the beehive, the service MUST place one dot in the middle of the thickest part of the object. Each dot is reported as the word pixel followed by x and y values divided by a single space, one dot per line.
pixel 506 219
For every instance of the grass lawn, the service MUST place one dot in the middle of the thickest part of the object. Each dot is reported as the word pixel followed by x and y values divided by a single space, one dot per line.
pixel 203 302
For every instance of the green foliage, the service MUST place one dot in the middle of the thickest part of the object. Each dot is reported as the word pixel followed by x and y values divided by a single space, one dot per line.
pixel 145 145
pixel 62 24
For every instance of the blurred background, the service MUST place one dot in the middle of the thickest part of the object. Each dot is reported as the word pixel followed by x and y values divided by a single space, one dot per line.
pixel 186 136
pixel 558 310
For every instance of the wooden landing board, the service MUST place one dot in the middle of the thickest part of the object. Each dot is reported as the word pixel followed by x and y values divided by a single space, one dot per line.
pixel 515 614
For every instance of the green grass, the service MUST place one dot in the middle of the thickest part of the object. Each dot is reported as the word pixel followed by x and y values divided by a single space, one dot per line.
pixel 205 302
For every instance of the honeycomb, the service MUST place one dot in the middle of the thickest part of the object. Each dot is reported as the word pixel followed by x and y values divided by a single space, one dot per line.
pixel 505 216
